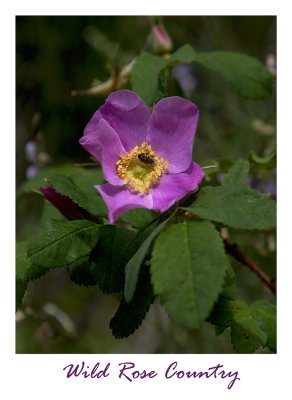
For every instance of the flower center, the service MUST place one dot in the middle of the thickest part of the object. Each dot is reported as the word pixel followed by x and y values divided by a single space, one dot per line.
pixel 141 168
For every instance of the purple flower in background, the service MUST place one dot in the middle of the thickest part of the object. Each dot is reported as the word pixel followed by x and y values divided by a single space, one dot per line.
pixel 184 73
pixel 31 171
pixel 258 182
pixel 146 157
pixel 31 154
pixel 31 151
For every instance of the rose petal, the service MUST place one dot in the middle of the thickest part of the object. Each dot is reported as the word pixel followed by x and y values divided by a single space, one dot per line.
pixel 173 187
pixel 105 145
pixel 128 115
pixel 171 131
pixel 119 200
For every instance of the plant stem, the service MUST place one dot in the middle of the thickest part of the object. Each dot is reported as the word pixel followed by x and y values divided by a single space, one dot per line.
pixel 233 250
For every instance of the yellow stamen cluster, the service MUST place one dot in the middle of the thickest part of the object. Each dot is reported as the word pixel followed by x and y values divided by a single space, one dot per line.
pixel 141 168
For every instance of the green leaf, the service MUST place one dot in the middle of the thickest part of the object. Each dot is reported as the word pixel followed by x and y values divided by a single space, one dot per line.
pixel 145 77
pixel 243 340
pixel 248 75
pixel 265 315
pixel 86 181
pixel 252 326
pixel 133 266
pixel 89 201
pixel 235 204
pixel 84 178
pixel 22 265
pixel 25 271
pixel 222 314
pixel 55 244
pixel 237 175
pixel 58 243
pixel 22 262
pixel 107 266
pixel 235 207
pixel 129 316
pixel 188 267
pixel 21 287
pixel 229 288
pixel 139 238
pixel 185 54
pixel 39 179
pixel 244 317
pixel 138 217
pixel 50 212
pixel 80 272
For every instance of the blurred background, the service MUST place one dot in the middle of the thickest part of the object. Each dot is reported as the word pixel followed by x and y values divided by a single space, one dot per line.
pixel 58 55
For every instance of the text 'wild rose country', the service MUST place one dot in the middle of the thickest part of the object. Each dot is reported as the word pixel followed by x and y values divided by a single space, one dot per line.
pixel 129 372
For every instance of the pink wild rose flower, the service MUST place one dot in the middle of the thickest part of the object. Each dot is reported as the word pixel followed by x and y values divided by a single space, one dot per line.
pixel 146 157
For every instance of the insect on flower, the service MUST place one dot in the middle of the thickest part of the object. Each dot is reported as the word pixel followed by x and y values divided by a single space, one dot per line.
pixel 145 158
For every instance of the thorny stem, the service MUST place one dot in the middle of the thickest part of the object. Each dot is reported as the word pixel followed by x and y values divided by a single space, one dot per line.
pixel 233 250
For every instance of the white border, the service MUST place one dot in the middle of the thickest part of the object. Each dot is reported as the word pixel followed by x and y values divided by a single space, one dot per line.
pixel 34 376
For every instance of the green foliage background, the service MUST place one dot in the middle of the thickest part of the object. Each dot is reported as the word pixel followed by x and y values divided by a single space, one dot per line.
pixel 55 55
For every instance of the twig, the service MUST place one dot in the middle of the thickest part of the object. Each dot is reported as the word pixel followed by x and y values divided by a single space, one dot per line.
pixel 114 82
pixel 233 250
